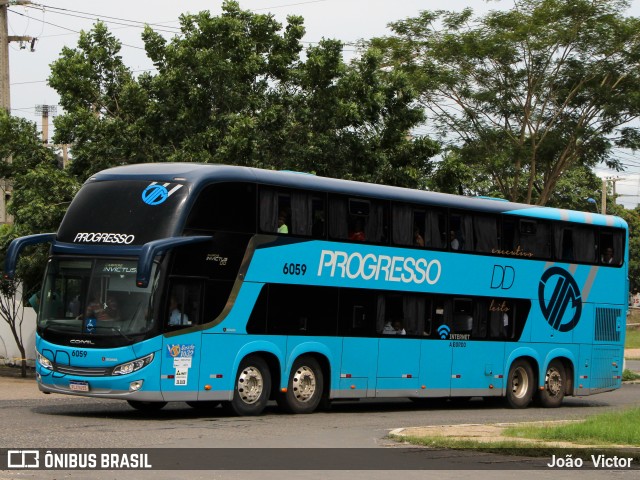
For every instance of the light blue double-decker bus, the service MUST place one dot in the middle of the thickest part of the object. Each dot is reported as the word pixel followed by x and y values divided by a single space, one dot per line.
pixel 212 284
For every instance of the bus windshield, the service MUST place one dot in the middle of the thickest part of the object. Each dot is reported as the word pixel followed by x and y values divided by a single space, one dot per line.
pixel 94 297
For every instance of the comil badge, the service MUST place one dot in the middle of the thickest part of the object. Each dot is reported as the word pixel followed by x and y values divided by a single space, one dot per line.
pixel 564 305
pixel 156 193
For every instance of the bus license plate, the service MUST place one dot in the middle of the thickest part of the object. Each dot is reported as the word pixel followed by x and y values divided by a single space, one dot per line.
pixel 79 386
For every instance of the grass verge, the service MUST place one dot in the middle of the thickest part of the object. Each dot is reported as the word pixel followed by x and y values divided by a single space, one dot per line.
pixel 606 431
pixel 633 338
pixel 615 428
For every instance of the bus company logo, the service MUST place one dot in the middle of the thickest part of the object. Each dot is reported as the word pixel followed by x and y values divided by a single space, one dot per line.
pixel 379 267
pixel 443 331
pixel 155 194
pixel 565 290
pixel 174 350
pixel 181 351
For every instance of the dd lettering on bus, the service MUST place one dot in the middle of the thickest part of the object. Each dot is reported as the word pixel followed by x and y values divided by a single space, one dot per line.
pixel 503 277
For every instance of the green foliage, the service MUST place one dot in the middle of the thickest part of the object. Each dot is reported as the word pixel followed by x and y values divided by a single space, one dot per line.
pixel 41 192
pixel 526 95
pixel 234 89
pixel 632 217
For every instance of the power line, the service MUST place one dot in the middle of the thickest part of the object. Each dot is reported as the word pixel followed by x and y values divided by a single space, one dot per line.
pixel 65 28
pixel 113 20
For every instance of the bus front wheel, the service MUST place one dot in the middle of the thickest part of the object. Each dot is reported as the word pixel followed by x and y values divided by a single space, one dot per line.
pixel 520 384
pixel 305 387
pixel 554 385
pixel 252 387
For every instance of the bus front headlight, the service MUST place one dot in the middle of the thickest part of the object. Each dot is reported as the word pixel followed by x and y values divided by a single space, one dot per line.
pixel 44 361
pixel 133 366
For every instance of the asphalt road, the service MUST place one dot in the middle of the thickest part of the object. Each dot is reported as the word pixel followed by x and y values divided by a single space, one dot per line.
pixel 30 419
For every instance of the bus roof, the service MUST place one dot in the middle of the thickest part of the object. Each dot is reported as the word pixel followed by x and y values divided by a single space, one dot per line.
pixel 201 175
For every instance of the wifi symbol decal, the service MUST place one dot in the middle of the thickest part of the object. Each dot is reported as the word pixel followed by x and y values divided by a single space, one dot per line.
pixel 443 331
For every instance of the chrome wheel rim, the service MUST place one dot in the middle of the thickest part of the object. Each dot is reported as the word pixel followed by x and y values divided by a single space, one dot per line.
pixel 304 384
pixel 250 385
pixel 519 382
pixel 553 382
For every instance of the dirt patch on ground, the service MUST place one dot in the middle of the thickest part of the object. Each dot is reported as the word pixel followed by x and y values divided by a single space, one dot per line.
pixel 492 433
pixel 632 353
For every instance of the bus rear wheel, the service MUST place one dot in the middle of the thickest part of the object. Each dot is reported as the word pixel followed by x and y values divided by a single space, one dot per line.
pixel 252 387
pixel 554 386
pixel 146 406
pixel 520 384
pixel 305 387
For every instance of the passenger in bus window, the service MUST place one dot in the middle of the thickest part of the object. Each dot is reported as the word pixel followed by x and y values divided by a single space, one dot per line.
pixel 607 257
pixel 399 328
pixel 388 329
pixel 107 311
pixel 176 316
pixel 282 223
pixel 418 240
pixel 505 325
pixel 357 235
pixel 455 244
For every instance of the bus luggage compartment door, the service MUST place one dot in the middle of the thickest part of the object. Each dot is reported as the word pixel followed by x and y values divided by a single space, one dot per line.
pixel 398 367
pixel 477 368
pixel 358 368
pixel 435 368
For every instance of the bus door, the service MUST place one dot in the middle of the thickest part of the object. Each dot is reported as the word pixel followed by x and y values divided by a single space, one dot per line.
pixel 182 343
pixel 478 362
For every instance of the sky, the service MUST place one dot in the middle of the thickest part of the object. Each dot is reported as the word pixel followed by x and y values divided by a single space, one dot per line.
pixel 56 23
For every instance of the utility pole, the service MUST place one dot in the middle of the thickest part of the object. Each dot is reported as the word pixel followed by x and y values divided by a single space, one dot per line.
pixel 5 38
pixel 6 186
pixel 45 110
pixel 605 191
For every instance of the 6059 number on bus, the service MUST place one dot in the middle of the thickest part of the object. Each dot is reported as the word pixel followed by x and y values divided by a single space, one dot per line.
pixel 294 269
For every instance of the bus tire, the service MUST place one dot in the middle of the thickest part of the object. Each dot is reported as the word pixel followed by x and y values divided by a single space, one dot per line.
pixel 305 387
pixel 146 406
pixel 520 384
pixel 555 382
pixel 252 387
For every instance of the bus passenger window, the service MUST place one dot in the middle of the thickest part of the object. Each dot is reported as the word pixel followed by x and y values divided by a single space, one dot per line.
pixel 485 232
pixel 460 232
pixel 275 211
pixel 575 243
pixel 611 244
pixel 462 315
pixel 525 238
pixel 500 318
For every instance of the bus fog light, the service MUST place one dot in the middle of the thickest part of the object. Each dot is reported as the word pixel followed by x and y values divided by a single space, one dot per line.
pixel 135 386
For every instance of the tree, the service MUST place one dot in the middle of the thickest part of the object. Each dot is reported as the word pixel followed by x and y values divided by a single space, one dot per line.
pixel 41 192
pixel 234 89
pixel 527 94
pixel 101 103
pixel 12 312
